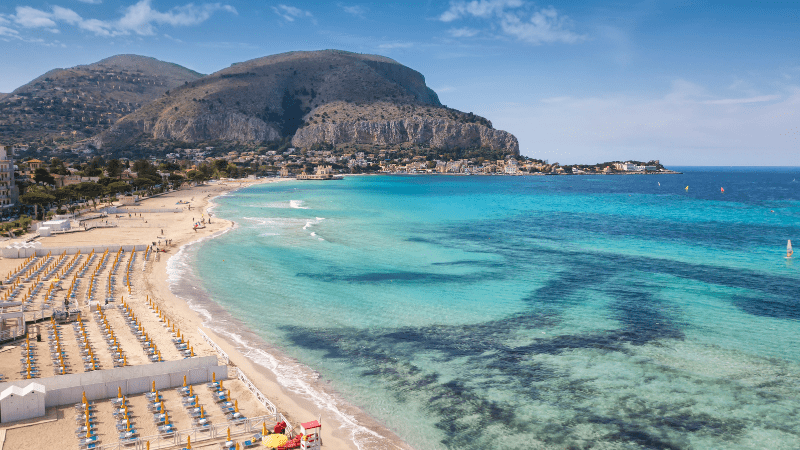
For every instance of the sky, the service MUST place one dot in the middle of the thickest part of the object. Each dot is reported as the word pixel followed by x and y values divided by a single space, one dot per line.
pixel 684 82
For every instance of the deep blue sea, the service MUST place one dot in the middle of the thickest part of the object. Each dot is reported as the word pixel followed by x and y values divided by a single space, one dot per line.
pixel 569 312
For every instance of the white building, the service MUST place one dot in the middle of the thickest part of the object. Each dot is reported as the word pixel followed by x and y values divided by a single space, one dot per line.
pixel 625 167
pixel 9 193
pixel 22 403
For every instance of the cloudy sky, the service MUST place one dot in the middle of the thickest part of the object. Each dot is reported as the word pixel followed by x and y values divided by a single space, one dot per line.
pixel 686 82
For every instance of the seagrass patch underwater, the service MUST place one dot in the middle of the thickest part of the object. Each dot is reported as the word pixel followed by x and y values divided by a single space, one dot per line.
pixel 532 312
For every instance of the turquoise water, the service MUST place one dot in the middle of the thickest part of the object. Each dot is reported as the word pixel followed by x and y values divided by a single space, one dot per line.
pixel 532 312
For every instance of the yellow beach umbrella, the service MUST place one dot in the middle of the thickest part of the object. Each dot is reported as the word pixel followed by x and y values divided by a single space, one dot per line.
pixel 229 433
pixel 263 428
pixel 189 442
pixel 184 381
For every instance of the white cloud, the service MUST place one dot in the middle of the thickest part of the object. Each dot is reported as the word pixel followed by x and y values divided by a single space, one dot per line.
pixel 139 18
pixel 356 10
pixel 290 13
pixel 33 18
pixel 514 18
pixel 687 125
pixel 66 15
pixel 91 2
pixel 5 31
pixel 463 32
pixel 478 8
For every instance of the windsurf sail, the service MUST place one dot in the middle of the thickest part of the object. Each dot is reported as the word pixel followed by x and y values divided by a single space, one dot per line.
pixel 789 250
pixel 687 188
pixel 722 190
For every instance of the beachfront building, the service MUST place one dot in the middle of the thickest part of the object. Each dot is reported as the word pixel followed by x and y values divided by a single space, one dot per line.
pixel 631 167
pixel 625 167
pixel 9 193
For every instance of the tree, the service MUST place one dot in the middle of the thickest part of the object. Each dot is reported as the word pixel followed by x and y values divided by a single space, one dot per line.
pixel 89 190
pixel 114 169
pixel 175 179
pixel 57 166
pixel 64 194
pixel 41 175
pixel 37 196
pixel 117 187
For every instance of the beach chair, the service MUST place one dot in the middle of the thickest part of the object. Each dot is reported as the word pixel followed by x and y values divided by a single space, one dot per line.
pixel 88 446
pixel 250 443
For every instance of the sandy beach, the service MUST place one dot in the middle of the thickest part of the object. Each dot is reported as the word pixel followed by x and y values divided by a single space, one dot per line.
pixel 306 400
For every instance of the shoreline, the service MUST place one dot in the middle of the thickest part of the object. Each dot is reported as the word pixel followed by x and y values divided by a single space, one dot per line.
pixel 303 399
pixel 295 389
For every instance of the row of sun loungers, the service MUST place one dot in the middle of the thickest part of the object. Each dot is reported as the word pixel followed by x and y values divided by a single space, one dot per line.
pixel 30 368
pixel 149 347
pixel 117 354
pixel 57 354
pixel 90 360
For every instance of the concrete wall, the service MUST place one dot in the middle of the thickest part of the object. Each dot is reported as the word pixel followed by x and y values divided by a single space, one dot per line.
pixel 11 252
pixel 101 384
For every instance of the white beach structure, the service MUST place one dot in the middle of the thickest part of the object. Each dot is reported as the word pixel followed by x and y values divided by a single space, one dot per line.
pixel 20 403
pixel 21 249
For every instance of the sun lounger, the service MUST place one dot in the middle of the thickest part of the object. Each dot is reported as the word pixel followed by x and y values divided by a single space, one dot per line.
pixel 251 443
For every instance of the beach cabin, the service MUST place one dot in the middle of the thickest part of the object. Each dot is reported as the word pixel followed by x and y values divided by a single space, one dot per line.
pixel 22 403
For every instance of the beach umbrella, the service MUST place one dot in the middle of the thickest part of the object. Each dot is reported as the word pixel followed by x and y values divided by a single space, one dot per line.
pixel 189 442
pixel 119 391
pixel 84 400
pixel 184 381
pixel 154 386
pixel 166 418
pixel 263 428
pixel 190 391
pixel 229 433
pixel 202 413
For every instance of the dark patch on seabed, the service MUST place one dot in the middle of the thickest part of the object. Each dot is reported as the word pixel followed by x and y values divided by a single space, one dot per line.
pixel 772 295
pixel 488 363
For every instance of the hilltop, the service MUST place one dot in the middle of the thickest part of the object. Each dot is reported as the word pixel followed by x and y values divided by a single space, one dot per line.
pixel 325 97
pixel 82 101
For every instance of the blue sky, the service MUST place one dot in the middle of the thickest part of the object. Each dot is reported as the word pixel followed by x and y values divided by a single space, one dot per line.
pixel 689 83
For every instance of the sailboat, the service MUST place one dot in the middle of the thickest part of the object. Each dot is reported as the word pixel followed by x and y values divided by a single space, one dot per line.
pixel 722 190
pixel 687 188
pixel 789 250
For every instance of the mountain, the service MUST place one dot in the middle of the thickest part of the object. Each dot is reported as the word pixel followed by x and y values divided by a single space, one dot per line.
pixel 320 97
pixel 79 102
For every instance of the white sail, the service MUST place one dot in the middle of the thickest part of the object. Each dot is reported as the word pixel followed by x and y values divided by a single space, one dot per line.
pixel 789 248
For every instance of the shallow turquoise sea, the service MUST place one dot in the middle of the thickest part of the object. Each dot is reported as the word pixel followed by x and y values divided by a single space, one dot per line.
pixel 531 312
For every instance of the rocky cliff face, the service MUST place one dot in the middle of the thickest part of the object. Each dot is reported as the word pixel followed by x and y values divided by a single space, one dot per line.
pixel 327 96
pixel 435 132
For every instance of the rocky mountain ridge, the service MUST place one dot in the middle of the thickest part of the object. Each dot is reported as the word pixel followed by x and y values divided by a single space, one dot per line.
pixel 370 98
pixel 85 100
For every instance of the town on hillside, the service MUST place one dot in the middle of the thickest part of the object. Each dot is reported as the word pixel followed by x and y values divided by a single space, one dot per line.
pixel 35 185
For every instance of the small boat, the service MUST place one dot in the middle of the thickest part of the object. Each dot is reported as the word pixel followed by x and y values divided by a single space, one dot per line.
pixel 789 250
pixel 687 188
